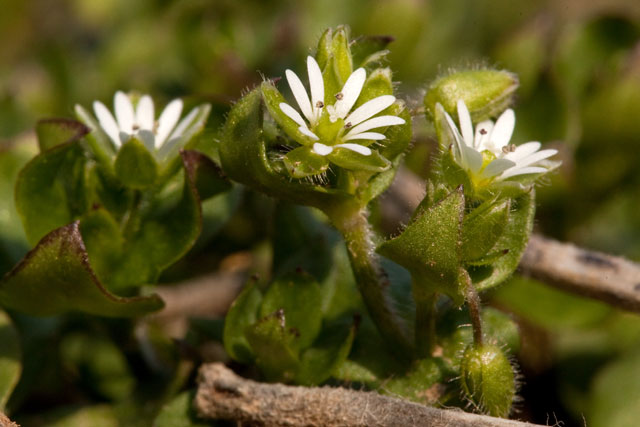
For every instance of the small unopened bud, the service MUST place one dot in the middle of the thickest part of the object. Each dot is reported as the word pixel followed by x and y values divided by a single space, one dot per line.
pixel 487 379
pixel 486 93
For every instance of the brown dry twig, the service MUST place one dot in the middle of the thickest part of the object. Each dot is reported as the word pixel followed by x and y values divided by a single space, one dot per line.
pixel 224 395
pixel 6 422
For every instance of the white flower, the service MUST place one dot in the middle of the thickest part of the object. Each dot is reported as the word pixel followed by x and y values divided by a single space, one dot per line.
pixel 487 153
pixel 357 124
pixel 140 121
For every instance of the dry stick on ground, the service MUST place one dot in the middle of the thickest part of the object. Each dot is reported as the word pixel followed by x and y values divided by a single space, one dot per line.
pixel 608 278
pixel 224 395
pixel 6 422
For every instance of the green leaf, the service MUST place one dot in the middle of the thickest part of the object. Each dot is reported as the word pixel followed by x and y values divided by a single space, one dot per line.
pixel 351 160
pixel 98 364
pixel 179 412
pixel 55 277
pixel 482 228
pixel 272 100
pixel 53 132
pixel 514 240
pixel 52 182
pixel 135 166
pixel 430 248
pixel 320 361
pixel 369 50
pixel 274 347
pixel 10 358
pixel 205 174
pixel 242 313
pixel 298 296
pixel 420 384
pixel 303 161
pixel 378 83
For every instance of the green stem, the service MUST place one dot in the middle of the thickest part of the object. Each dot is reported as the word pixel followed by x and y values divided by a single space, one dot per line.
pixel 425 329
pixel 372 281
pixel 473 302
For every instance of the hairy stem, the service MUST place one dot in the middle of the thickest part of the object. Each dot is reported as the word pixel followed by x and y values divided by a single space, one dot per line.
pixel 425 331
pixel 473 302
pixel 371 279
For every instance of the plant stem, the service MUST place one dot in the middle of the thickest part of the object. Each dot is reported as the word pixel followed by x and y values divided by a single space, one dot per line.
pixel 473 302
pixel 425 329
pixel 371 279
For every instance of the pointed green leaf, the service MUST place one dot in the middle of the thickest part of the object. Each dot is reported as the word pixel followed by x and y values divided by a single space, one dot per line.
pixel 55 277
pixel 272 99
pixel 514 240
pixel 135 166
pixel 482 228
pixel 430 247
pixel 369 50
pixel 52 132
pixel 349 159
pixel 320 361
pixel 51 183
pixel 342 62
pixel 242 313
pixel 274 347
pixel 10 358
pixel 298 295
pixel 104 243
pixel 303 161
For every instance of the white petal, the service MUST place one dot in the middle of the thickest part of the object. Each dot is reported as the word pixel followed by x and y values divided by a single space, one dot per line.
pixel 124 111
pixel 523 151
pixel 456 136
pixel 503 129
pixel 522 171
pixel 300 94
pixel 147 137
pixel 360 149
pixel 536 157
pixel 305 130
pixel 184 124
pixel 483 132
pixel 316 84
pixel 145 114
pixel 376 122
pixel 292 113
pixel 473 159
pixel 350 92
pixel 496 167
pixel 167 121
pixel 370 109
pixel 322 149
pixel 465 123
pixel 107 122
pixel 365 135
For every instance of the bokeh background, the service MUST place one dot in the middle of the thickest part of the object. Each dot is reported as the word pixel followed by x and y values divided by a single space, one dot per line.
pixel 579 68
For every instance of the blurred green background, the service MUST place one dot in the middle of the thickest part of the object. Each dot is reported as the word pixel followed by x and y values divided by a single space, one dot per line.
pixel 579 67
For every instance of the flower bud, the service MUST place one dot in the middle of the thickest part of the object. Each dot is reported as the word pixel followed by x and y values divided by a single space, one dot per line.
pixel 486 93
pixel 487 379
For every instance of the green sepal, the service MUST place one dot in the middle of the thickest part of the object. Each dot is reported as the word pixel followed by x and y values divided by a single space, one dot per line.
pixel 486 93
pixel 135 166
pixel 323 51
pixel 53 132
pixel 330 351
pixel 207 177
pixel 272 99
pixel 332 86
pixel 55 277
pixel 274 347
pixel 430 248
pixel 414 385
pixel 50 190
pixel 10 358
pixel 380 182
pixel 513 240
pixel 242 313
pixel 368 51
pixel 298 296
pixel 482 228
pixel 487 379
pixel 303 161
pixel 351 160
pixel 378 83
pixel 244 158
pixel 399 136
pixel 342 62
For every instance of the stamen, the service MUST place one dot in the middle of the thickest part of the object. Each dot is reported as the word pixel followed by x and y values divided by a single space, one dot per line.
pixel 509 148
pixel 136 127
pixel 319 104
pixel 483 131
pixel 339 96
pixel 347 125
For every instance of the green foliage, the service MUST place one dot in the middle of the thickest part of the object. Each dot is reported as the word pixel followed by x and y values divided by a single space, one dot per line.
pixel 135 167
pixel 178 412
pixel 10 357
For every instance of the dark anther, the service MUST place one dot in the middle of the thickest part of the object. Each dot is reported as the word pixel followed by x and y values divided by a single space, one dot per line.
pixel 339 96
pixel 319 104
pixel 483 131
pixel 136 127
pixel 348 125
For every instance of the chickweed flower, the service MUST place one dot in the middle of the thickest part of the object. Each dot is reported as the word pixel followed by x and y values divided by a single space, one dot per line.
pixel 332 126
pixel 487 154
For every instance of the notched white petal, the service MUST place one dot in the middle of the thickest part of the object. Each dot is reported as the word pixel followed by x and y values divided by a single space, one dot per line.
pixel 292 113
pixel 376 122
pixel 483 132
pixel 316 85
pixel 522 171
pixel 145 113
pixel 124 111
pixel 300 94
pixel 370 109
pixel 503 129
pixel 322 149
pixel 496 167
pixel 360 149
pixel 350 92
pixel 536 157
pixel 107 122
pixel 365 135
pixel 523 151
pixel 473 159
pixel 466 128
pixel 305 131
pixel 167 121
